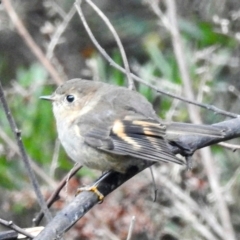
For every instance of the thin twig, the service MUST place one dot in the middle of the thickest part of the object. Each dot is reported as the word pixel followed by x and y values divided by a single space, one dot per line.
pixel 55 195
pixel 17 134
pixel 234 178
pixel 187 100
pixel 57 9
pixel 54 162
pixel 234 147
pixel 115 35
pixel 13 226
pixel 181 60
pixel 61 28
pixel 30 42
pixel 115 65
pixel 154 185
pixel 131 227
pixel 39 171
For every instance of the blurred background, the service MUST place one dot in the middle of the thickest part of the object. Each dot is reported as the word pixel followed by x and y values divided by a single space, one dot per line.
pixel 186 207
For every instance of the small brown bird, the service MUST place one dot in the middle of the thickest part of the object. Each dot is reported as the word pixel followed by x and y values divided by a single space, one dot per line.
pixel 107 127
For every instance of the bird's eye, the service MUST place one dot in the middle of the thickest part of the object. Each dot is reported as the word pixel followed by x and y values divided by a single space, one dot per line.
pixel 70 98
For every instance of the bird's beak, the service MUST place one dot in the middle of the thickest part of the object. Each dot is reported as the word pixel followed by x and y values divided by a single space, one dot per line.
pixel 48 98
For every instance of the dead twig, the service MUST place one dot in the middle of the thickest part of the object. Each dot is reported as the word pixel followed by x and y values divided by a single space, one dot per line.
pixel 55 195
pixel 17 134
pixel 117 39
pixel 30 42
pixel 130 231
pixel 61 28
pixel 16 228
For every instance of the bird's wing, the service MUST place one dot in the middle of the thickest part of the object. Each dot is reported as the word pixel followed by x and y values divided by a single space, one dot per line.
pixel 140 138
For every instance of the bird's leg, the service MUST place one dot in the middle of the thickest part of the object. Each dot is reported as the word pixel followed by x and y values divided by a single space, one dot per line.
pixel 94 188
pixel 189 161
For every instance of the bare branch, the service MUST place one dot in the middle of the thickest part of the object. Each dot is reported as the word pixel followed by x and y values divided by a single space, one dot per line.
pixel 234 147
pixel 17 134
pixel 55 195
pixel 18 232
pixel 30 42
pixel 130 231
pixel 13 226
pixel 113 31
pixel 61 28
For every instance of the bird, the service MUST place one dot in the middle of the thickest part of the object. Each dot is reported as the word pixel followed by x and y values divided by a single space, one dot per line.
pixel 112 128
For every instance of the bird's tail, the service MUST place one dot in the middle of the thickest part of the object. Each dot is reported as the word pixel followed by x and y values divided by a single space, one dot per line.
pixel 179 129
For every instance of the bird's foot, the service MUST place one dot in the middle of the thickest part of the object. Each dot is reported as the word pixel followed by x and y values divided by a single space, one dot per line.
pixel 93 189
